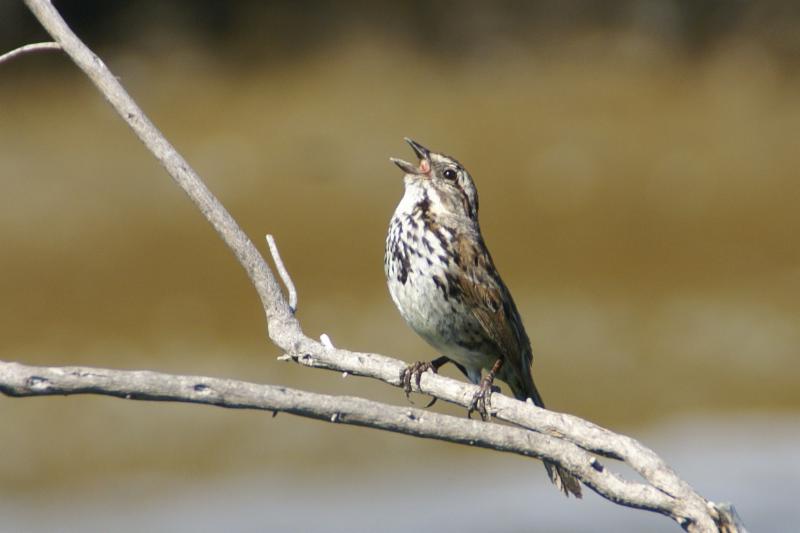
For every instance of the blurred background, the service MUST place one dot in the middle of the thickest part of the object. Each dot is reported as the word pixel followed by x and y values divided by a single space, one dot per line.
pixel 637 163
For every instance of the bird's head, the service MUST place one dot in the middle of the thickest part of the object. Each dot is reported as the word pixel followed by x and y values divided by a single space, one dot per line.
pixel 442 179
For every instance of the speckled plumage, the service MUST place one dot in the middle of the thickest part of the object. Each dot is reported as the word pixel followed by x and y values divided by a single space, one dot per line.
pixel 444 283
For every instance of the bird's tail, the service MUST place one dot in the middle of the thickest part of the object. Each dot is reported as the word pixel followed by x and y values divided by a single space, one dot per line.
pixel 561 478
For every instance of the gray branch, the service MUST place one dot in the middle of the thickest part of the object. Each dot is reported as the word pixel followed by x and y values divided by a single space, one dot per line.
pixel 19 380
pixel 557 437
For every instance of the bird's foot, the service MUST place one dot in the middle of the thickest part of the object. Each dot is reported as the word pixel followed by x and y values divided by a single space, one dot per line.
pixel 413 373
pixel 482 401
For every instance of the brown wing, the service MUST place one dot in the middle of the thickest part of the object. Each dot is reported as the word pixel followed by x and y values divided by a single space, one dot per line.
pixel 492 305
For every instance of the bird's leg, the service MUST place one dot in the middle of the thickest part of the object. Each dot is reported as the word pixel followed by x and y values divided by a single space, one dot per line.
pixel 414 372
pixel 482 401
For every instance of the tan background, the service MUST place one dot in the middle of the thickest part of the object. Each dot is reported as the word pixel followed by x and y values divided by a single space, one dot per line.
pixel 639 196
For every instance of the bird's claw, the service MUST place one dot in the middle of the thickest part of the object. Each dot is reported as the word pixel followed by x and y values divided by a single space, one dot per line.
pixel 482 401
pixel 413 373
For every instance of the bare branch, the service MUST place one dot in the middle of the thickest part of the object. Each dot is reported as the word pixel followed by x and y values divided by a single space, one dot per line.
pixel 283 273
pixel 560 438
pixel 34 47
pixel 21 380
pixel 691 510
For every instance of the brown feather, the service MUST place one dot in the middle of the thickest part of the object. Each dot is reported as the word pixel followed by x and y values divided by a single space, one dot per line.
pixel 492 305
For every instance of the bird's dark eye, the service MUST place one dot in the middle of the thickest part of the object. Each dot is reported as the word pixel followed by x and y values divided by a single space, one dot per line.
pixel 450 173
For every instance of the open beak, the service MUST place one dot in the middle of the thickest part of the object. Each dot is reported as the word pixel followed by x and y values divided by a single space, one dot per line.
pixel 422 153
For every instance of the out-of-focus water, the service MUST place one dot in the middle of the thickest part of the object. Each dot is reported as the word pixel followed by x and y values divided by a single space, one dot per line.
pixel 751 461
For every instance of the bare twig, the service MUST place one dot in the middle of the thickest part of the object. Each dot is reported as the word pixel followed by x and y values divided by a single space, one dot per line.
pixel 283 273
pixel 560 438
pixel 326 341
pixel 33 47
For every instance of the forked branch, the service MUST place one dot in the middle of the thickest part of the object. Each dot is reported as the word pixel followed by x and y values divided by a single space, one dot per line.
pixel 564 439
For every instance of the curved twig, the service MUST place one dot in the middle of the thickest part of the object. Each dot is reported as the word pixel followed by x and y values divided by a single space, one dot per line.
pixel 28 48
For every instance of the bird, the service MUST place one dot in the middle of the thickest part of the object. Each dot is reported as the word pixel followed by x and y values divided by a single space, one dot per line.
pixel 442 279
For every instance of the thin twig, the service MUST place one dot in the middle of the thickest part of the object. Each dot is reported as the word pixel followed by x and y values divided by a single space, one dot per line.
pixel 283 273
pixel 33 47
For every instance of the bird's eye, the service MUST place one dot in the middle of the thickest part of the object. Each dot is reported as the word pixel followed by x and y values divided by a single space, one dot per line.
pixel 450 173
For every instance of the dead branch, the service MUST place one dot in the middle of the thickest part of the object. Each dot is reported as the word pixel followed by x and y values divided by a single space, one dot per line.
pixel 21 381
